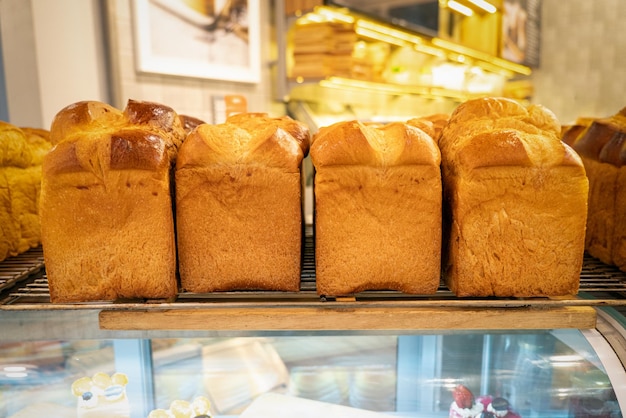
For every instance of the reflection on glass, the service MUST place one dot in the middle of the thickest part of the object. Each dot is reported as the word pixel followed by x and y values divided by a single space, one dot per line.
pixel 535 374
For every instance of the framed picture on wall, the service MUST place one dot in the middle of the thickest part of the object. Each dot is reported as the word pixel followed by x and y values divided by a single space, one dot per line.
pixel 211 39
pixel 521 31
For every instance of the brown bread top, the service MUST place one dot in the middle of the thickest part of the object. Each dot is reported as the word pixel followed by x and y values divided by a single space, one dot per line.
pixel 96 137
pixel 604 140
pixel 295 128
pixel 190 122
pixel 490 132
pixel 355 143
pixel 230 143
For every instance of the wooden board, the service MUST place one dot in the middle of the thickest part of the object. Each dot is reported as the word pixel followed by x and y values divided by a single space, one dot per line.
pixel 316 318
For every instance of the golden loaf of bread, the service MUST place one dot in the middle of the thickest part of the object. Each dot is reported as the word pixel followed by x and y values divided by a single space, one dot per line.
pixel 106 205
pixel 190 122
pixel 570 133
pixel 239 205
pixel 600 143
pixel 515 200
pixel 431 124
pixel 21 152
pixel 377 209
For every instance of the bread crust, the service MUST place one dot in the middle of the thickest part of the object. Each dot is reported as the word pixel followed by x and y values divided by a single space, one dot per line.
pixel 239 205
pixel 431 124
pixel 21 152
pixel 106 207
pixel 298 130
pixel 377 209
pixel 515 199
pixel 601 143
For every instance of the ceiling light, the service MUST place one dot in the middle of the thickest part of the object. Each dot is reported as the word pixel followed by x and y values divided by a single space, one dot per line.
pixel 485 5
pixel 458 7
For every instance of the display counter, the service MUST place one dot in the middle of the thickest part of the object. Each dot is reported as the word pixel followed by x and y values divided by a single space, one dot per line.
pixel 253 354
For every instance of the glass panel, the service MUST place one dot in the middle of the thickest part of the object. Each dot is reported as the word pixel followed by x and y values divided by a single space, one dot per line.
pixel 539 374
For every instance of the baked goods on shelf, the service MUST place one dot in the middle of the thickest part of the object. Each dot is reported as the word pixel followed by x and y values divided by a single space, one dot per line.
pixel 515 202
pixel 106 204
pixel 101 395
pixel 322 49
pixel 21 152
pixel 465 405
pixel 377 209
pixel 199 407
pixel 239 205
pixel 600 144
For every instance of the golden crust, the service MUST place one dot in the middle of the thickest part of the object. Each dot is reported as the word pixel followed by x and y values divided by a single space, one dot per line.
pixel 604 140
pixel 377 209
pixel 190 122
pixel 238 201
pixel 601 145
pixel 21 152
pixel 39 142
pixel 431 124
pixel 353 142
pixel 228 143
pixel 516 199
pixel 497 132
pixel 111 170
pixel 101 119
pixel 296 129
pixel 14 149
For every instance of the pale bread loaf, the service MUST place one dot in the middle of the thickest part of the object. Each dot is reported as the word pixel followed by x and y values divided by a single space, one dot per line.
pixel 238 205
pixel 15 157
pixel 21 153
pixel 106 208
pixel 377 209
pixel 515 199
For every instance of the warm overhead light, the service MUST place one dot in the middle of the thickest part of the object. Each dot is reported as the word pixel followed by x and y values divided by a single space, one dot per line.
pixel 431 92
pixel 462 50
pixel 389 31
pixel 334 15
pixel 372 34
pixel 485 5
pixel 458 7
pixel 430 50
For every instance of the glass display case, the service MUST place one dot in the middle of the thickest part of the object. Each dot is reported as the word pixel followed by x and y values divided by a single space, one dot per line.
pixel 262 355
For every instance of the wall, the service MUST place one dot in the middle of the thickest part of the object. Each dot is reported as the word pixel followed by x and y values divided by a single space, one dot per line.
pixel 4 109
pixel 58 52
pixel 49 64
pixel 53 55
pixel 583 58
pixel 186 95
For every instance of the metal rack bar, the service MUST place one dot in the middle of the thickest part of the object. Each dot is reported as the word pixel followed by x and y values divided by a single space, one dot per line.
pixel 25 287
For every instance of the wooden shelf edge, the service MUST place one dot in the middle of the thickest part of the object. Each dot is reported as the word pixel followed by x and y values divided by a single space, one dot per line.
pixel 364 318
